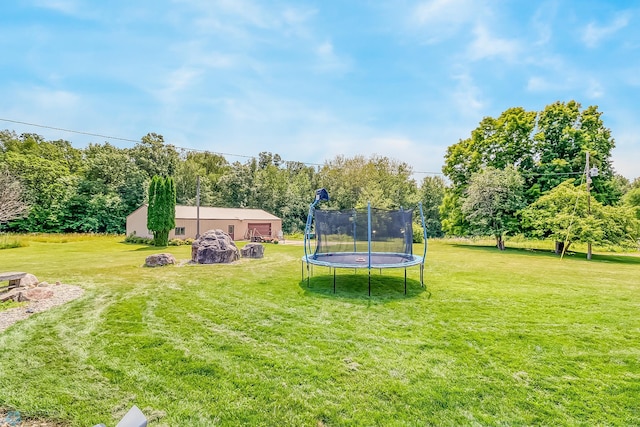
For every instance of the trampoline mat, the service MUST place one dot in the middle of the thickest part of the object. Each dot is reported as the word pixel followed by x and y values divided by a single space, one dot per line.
pixel 361 260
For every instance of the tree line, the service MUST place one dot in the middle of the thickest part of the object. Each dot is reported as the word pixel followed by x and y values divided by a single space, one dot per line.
pixel 93 189
pixel 522 172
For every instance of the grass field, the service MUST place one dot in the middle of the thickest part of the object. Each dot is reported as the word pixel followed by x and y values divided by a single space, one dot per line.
pixel 513 338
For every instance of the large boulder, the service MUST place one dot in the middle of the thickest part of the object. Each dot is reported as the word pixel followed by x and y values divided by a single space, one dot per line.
pixel 158 260
pixel 214 247
pixel 252 250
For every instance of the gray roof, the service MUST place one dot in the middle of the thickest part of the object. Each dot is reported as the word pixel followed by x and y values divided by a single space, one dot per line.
pixel 207 212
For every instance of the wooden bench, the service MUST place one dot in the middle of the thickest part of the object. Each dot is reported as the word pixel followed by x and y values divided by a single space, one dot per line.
pixel 13 278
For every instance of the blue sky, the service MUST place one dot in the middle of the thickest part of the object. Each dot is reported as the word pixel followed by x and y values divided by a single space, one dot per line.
pixel 313 79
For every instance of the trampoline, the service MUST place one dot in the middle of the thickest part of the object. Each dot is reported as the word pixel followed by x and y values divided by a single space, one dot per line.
pixel 361 239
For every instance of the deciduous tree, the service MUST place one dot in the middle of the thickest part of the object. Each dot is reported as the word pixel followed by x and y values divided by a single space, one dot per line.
pixel 12 201
pixel 491 202
pixel 431 193
pixel 565 215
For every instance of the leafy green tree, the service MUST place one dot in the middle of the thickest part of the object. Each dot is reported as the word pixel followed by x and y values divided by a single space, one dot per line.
pixel 546 148
pixel 352 182
pixel 498 143
pixel 300 193
pixel 110 187
pixel 48 188
pixel 564 134
pixel 154 157
pixel 431 194
pixel 161 212
pixel 237 188
pixel 632 199
pixel 491 202
pixel 453 220
pixel 210 168
pixel 563 215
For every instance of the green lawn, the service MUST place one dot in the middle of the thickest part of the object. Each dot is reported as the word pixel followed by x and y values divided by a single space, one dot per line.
pixel 513 338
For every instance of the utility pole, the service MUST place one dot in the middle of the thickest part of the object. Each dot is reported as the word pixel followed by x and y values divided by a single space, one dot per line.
pixel 198 206
pixel 588 174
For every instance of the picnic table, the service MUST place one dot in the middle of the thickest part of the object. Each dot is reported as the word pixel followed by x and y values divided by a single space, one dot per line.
pixel 13 278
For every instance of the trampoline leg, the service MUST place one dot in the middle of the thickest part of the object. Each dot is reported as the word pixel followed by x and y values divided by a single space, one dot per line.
pixel 422 275
pixel 334 280
pixel 369 282
pixel 405 281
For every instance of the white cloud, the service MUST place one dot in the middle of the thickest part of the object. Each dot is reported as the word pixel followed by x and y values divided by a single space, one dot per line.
pixel 328 60
pixel 73 8
pixel 444 11
pixel 541 84
pixel 69 7
pixel 593 34
pixel 42 98
pixel 594 89
pixel 485 45
pixel 542 22
pixel 466 97
pixel 568 82
pixel 174 88
pixel 239 18
pixel 441 19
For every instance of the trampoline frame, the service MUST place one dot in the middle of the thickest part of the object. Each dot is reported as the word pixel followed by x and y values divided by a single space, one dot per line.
pixel 361 259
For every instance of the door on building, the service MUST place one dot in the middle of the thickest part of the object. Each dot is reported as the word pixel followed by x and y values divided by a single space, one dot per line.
pixel 231 230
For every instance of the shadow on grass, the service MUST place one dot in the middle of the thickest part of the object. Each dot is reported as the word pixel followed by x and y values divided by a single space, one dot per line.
pixel 145 248
pixel 356 287
pixel 630 258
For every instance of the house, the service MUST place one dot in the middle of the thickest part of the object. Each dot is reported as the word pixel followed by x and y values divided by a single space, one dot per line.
pixel 240 224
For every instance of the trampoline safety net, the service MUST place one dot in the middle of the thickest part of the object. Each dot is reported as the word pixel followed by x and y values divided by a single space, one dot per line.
pixel 348 231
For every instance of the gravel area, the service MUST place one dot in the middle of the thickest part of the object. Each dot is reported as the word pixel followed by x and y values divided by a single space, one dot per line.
pixel 61 294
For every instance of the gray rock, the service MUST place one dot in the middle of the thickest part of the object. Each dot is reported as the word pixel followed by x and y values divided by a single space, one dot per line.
pixel 253 250
pixel 158 260
pixel 214 247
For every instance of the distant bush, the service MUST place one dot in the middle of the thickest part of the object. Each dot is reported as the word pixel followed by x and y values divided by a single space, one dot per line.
pixel 132 238
pixel 418 234
pixel 179 242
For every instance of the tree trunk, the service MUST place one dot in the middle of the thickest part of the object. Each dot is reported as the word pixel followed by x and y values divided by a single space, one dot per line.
pixel 559 247
pixel 500 243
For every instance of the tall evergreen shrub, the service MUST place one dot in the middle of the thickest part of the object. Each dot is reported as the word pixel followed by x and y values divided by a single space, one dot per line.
pixel 161 214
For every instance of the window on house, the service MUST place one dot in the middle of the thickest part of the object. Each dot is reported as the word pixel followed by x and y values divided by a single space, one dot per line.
pixel 180 231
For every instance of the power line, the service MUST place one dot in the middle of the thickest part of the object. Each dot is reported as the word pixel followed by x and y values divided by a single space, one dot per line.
pixel 134 140
pixel 68 130
pixel 231 154
pixel 181 148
